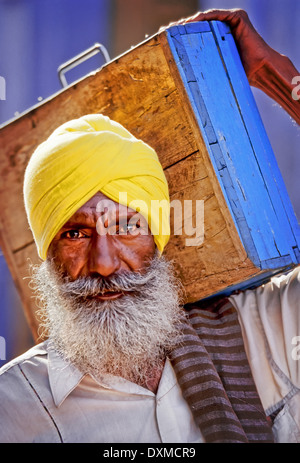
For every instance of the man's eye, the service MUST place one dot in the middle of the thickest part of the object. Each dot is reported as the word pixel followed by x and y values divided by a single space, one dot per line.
pixel 128 228
pixel 73 234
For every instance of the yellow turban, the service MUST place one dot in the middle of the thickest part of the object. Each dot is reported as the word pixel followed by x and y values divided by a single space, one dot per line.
pixel 82 157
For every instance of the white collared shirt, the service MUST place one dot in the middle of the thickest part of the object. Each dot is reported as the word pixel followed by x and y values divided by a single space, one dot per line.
pixel 45 400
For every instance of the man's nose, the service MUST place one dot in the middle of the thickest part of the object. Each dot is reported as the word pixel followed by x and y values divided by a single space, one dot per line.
pixel 104 258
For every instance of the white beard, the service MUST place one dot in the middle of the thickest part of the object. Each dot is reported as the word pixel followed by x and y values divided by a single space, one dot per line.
pixel 128 337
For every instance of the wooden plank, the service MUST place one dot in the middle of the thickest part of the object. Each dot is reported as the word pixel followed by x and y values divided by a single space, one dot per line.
pixel 259 139
pixel 240 161
pixel 232 139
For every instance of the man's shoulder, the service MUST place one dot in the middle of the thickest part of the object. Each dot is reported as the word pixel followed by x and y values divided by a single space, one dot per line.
pixel 17 378
pixel 24 388
pixel 12 378
pixel 34 353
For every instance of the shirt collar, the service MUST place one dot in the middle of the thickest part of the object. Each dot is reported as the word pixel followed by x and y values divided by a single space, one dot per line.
pixel 63 377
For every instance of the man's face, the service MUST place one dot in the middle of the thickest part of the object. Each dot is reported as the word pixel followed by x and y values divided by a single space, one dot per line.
pixel 102 239
pixel 111 304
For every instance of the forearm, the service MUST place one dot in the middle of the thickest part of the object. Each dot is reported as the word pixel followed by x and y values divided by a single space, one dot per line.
pixel 274 77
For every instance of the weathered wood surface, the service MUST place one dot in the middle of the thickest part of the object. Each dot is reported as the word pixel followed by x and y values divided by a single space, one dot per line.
pixel 142 90
pixel 243 159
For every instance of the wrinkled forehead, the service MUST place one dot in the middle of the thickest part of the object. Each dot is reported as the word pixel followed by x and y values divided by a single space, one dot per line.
pixel 100 205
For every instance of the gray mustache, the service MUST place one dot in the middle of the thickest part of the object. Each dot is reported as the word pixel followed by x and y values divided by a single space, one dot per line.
pixel 89 286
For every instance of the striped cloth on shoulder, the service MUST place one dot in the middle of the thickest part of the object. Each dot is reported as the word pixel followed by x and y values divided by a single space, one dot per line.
pixel 215 377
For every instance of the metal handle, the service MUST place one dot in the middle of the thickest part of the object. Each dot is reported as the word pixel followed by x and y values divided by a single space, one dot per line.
pixel 78 59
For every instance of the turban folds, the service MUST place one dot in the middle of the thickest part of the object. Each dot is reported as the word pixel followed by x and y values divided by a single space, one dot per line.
pixel 82 157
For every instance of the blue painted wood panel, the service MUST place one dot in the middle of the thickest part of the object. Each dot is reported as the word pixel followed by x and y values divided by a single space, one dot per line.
pixel 239 149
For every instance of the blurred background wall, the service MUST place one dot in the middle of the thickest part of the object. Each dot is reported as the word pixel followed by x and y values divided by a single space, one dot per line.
pixel 36 36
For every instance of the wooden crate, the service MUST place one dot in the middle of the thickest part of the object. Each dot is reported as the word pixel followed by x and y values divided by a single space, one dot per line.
pixel 184 92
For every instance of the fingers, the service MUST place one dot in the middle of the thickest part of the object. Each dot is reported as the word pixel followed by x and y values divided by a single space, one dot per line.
pixel 233 16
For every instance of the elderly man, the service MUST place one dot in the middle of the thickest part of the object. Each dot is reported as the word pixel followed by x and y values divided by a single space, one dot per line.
pixel 124 362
